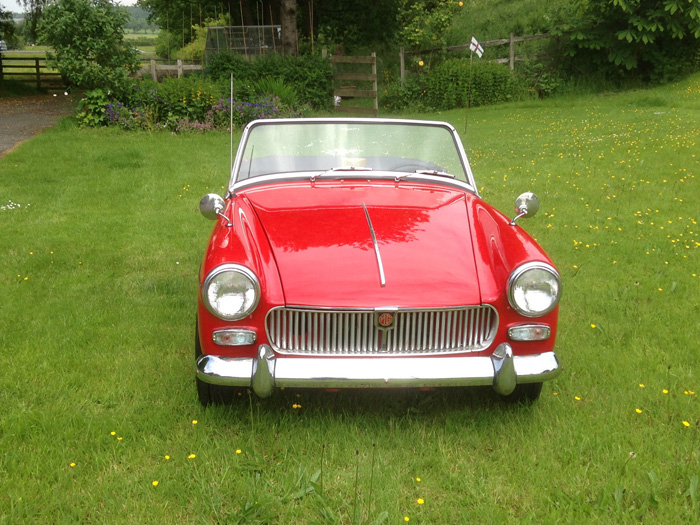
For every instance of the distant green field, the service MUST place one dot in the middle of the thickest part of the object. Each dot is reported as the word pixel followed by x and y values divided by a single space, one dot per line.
pixel 151 35
pixel 99 253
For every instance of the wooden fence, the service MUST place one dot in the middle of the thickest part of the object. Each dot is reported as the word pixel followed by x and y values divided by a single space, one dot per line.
pixel 29 69
pixel 159 70
pixel 511 41
pixel 34 69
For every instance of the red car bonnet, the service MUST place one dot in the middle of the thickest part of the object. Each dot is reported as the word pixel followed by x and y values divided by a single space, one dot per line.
pixel 322 243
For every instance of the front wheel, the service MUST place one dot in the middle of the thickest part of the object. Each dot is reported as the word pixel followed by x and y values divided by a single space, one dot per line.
pixel 525 393
pixel 210 394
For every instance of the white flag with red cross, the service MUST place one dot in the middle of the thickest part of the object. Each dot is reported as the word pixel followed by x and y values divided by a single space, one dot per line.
pixel 475 46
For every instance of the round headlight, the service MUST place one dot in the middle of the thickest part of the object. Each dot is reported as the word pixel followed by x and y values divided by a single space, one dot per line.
pixel 231 292
pixel 534 289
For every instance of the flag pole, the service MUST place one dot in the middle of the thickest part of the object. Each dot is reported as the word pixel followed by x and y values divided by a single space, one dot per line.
pixel 474 46
pixel 469 92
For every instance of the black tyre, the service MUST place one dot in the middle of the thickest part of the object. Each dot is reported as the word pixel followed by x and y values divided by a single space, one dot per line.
pixel 525 393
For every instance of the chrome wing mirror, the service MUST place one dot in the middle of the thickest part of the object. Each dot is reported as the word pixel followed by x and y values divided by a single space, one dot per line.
pixel 212 206
pixel 526 205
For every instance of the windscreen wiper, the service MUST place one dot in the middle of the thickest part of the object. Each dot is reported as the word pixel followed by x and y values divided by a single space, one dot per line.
pixel 340 168
pixel 425 172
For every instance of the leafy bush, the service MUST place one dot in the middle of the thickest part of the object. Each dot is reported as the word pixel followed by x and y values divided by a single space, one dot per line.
pixel 311 75
pixel 395 97
pixel 446 86
pixel 278 88
pixel 643 34
pixel 167 44
pixel 541 80
pixel 88 42
pixel 195 49
pixel 91 108
pixel 186 104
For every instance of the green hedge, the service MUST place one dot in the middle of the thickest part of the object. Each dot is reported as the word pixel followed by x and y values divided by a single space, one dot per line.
pixel 311 76
pixel 446 86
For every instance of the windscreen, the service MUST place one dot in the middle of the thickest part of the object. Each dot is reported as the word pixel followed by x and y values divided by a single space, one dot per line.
pixel 276 147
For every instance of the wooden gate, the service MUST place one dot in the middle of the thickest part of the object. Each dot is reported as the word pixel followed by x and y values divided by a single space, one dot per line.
pixel 346 85
pixel 30 69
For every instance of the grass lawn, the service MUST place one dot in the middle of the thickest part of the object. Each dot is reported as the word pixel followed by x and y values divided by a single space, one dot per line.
pixel 99 419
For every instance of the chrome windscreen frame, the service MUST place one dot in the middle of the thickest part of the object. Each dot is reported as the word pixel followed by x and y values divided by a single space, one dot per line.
pixel 235 185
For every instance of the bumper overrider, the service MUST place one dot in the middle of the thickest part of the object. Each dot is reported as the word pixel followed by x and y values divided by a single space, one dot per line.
pixel 263 374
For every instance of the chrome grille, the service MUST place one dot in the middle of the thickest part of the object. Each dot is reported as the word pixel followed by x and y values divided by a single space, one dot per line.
pixel 353 332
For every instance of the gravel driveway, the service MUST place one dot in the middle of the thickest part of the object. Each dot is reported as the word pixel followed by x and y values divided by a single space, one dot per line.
pixel 23 117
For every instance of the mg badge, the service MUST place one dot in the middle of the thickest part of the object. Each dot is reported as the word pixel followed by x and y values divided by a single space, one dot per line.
pixel 385 320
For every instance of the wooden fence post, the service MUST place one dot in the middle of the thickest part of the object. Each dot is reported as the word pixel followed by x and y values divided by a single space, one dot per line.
pixel 1 73
pixel 179 68
pixel 375 85
pixel 402 67
pixel 511 53
pixel 38 73
pixel 154 72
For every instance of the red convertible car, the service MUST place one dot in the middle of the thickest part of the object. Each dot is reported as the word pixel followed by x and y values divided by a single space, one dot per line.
pixel 357 253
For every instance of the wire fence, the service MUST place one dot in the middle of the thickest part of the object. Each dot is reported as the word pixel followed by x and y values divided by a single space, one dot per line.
pixel 245 40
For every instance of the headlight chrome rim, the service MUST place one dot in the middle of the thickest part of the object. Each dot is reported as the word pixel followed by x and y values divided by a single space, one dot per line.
pixel 522 270
pixel 234 268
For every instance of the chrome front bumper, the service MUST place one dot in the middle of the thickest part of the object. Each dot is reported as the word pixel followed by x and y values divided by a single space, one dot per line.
pixel 501 369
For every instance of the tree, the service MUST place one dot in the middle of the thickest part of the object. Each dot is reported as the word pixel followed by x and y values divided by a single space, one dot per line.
pixel 7 25
pixel 33 10
pixel 645 35
pixel 424 23
pixel 87 37
pixel 288 23
pixel 365 24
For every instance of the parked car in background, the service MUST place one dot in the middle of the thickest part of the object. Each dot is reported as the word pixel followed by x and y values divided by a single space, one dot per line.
pixel 357 253
pixel 3 45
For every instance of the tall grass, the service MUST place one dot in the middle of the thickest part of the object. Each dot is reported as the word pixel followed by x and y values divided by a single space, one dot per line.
pixel 99 421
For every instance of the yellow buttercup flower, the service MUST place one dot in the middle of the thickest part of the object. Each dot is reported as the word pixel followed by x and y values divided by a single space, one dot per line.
pixel 191 456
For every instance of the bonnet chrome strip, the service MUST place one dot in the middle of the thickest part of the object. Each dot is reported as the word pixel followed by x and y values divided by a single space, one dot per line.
pixel 376 247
